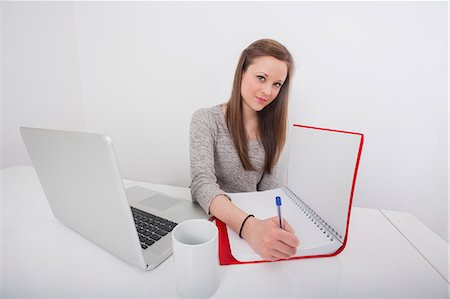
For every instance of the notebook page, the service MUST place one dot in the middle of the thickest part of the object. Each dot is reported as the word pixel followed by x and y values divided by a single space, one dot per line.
pixel 321 170
pixel 262 204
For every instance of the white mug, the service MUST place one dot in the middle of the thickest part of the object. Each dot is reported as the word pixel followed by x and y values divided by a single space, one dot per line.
pixel 195 252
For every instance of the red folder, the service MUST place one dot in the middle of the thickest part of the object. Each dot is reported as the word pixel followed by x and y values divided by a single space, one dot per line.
pixel 225 253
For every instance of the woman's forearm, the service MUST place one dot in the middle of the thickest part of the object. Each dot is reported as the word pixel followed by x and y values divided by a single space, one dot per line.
pixel 222 208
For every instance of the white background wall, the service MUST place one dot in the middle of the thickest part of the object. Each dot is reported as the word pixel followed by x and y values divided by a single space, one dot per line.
pixel 137 71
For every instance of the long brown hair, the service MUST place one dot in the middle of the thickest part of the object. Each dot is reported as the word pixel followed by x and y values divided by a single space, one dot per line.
pixel 272 119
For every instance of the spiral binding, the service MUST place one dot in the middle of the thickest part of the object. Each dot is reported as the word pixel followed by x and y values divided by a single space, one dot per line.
pixel 327 229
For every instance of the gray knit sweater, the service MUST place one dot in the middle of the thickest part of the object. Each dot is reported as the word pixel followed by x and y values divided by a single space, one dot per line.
pixel 215 165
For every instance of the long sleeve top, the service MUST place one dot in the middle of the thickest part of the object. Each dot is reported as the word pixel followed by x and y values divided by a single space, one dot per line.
pixel 215 164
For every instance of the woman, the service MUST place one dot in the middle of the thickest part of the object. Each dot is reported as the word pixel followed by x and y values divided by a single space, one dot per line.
pixel 234 147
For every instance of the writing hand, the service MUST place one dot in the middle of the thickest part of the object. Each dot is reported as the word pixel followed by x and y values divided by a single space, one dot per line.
pixel 269 240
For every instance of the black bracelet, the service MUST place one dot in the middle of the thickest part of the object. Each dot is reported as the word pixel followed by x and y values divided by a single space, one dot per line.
pixel 242 225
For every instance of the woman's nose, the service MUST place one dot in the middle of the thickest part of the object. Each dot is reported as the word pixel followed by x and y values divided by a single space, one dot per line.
pixel 267 90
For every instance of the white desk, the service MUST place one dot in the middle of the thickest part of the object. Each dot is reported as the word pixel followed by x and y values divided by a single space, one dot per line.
pixel 43 258
pixel 434 249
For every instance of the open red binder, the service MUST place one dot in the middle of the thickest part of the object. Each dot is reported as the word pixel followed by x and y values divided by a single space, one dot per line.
pixel 322 169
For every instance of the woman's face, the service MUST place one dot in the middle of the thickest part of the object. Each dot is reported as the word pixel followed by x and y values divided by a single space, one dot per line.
pixel 262 82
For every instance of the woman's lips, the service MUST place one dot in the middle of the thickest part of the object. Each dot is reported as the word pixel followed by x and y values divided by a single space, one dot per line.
pixel 261 100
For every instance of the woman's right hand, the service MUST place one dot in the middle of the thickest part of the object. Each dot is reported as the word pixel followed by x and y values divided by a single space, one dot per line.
pixel 269 240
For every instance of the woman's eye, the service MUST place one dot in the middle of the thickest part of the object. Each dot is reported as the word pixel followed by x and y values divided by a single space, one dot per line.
pixel 261 78
pixel 277 85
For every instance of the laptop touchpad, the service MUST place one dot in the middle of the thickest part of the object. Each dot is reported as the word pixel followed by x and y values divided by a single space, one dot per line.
pixel 159 202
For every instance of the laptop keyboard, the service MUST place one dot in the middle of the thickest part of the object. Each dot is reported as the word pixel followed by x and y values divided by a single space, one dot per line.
pixel 150 227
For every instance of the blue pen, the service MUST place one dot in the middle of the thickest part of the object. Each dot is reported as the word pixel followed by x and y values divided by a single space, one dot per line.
pixel 280 219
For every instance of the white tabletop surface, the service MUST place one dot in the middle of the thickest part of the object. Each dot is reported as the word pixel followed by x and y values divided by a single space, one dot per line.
pixel 432 247
pixel 43 258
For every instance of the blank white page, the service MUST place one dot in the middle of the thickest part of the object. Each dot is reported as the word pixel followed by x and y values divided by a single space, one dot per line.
pixel 321 170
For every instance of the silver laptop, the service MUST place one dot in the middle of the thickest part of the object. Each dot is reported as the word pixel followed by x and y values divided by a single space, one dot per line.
pixel 81 180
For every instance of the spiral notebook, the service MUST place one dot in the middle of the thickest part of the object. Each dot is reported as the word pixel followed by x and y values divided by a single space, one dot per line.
pixel 322 169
